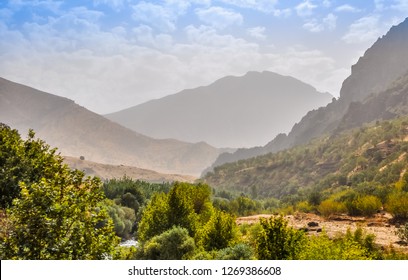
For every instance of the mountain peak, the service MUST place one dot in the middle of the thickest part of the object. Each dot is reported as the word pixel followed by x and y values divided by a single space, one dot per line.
pixel 381 64
pixel 233 111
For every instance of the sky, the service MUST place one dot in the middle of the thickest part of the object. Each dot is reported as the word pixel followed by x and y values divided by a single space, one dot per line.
pixel 109 55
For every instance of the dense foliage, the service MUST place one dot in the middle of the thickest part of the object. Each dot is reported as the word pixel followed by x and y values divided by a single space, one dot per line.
pixel 25 161
pixel 50 212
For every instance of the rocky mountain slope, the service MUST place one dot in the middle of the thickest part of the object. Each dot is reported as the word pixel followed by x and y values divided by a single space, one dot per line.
pixel 366 157
pixel 376 71
pixel 76 132
pixel 232 112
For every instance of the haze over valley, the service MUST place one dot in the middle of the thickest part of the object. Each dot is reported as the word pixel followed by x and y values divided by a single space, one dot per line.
pixel 204 130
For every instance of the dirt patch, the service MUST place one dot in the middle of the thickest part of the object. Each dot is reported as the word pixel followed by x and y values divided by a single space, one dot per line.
pixel 380 225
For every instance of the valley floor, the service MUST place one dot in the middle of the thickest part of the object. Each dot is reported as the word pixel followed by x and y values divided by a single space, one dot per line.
pixel 380 225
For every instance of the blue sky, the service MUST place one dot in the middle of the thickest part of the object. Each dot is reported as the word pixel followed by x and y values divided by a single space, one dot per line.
pixel 108 55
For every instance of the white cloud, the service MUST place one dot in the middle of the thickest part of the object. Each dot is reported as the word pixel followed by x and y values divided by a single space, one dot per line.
pixel 310 66
pixel 326 3
pixel 267 6
pixel 283 12
pixel 363 30
pixel 313 26
pixel 219 17
pixel 51 5
pixel 379 5
pixel 330 21
pixel 73 56
pixel 116 4
pixel 5 14
pixel 305 8
pixel 327 23
pixel 257 32
pixel 347 8
pixel 401 5
pixel 155 15
pixel 146 37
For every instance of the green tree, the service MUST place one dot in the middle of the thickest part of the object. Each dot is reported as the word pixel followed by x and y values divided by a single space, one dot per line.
pixel 185 205
pixel 154 218
pixel 220 232
pixel 62 218
pixel 23 161
pixel 174 244
pixel 123 219
pixel 181 208
pixel 277 241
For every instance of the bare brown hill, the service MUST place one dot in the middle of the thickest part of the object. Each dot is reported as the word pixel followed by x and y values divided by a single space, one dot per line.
pixel 76 132
pixel 108 171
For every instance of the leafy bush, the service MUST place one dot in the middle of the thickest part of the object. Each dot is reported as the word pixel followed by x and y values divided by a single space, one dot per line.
pixel 304 207
pixel 277 241
pixel 220 231
pixel 397 205
pixel 53 212
pixel 123 220
pixel 321 247
pixel 174 244
pixel 24 161
pixel 240 251
pixel 367 205
pixel 330 207
pixel 60 219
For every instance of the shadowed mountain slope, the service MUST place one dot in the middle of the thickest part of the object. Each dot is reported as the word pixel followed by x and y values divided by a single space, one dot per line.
pixel 76 131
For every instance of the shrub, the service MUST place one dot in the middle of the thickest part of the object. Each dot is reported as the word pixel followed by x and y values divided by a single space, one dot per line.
pixel 220 231
pixel 368 205
pixel 277 241
pixel 321 247
pixel 174 244
pixel 352 246
pixel 330 207
pixel 397 205
pixel 304 207
pixel 240 251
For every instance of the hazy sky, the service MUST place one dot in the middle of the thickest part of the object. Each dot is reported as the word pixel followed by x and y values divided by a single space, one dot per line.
pixel 112 54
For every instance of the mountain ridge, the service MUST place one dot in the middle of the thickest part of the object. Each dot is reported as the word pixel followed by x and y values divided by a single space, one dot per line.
pixel 233 111
pixel 77 131
pixel 382 64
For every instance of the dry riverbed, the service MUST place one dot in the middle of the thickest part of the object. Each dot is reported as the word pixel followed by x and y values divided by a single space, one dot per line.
pixel 380 225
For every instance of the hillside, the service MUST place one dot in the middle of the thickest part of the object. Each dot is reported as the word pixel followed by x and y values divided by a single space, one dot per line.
pixel 381 65
pixel 373 155
pixel 232 112
pixel 108 171
pixel 77 132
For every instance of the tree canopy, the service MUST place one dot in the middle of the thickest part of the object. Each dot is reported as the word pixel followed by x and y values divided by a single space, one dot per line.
pixel 51 212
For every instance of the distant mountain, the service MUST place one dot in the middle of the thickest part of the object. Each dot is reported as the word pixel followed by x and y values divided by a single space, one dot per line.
pixel 382 65
pixel 76 131
pixel 232 112
pixel 109 171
